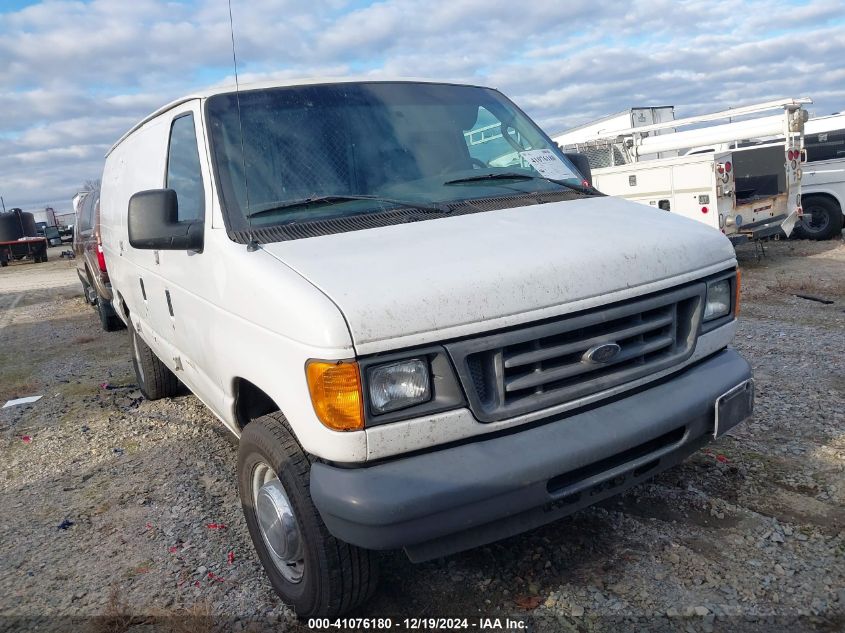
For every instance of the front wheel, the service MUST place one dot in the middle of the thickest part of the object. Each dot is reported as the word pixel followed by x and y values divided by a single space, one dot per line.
pixel 312 571
pixel 825 220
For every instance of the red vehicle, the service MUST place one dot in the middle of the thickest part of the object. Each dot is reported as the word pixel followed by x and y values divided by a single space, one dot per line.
pixel 91 262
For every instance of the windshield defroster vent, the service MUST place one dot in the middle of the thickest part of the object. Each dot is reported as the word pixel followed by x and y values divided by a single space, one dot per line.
pixel 389 217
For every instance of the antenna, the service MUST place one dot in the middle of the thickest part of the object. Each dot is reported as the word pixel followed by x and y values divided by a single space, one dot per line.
pixel 253 244
pixel 4 204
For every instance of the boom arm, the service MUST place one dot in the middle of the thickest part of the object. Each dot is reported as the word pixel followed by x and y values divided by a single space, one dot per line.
pixel 640 142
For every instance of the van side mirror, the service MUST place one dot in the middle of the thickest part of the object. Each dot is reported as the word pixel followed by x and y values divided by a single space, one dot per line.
pixel 154 223
pixel 582 164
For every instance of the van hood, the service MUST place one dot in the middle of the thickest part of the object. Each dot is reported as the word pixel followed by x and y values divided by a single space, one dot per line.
pixel 412 284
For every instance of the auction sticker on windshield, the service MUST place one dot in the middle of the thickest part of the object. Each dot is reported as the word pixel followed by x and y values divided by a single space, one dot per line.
pixel 546 162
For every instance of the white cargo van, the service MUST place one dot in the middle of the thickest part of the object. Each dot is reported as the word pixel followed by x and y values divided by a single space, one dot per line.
pixel 415 349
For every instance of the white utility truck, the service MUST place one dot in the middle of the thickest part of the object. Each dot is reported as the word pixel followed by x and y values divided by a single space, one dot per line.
pixel 823 175
pixel 415 348
pixel 748 192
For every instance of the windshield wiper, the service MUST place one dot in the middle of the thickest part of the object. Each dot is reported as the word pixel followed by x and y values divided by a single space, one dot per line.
pixel 332 199
pixel 511 175
pixel 502 175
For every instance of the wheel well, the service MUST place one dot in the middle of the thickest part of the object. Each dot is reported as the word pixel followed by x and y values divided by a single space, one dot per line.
pixel 123 307
pixel 251 402
pixel 88 275
pixel 831 198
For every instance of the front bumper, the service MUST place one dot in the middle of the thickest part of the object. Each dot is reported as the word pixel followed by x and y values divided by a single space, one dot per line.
pixel 448 500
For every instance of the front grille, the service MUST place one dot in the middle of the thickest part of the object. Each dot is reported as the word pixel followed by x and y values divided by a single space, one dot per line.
pixel 541 365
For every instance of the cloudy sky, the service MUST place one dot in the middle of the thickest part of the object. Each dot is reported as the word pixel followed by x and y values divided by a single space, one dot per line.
pixel 75 75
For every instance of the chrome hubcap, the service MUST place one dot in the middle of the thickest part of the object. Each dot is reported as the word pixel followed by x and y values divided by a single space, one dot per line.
pixel 277 523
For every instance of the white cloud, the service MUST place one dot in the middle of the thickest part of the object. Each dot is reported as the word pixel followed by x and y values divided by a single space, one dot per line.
pixel 75 75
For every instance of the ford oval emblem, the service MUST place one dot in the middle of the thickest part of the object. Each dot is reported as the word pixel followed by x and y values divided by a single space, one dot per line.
pixel 603 353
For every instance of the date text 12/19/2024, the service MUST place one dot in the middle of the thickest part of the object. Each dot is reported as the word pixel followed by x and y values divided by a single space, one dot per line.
pixel 418 624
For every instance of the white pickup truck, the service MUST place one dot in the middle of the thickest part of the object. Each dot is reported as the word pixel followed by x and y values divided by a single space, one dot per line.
pixel 416 349
pixel 823 195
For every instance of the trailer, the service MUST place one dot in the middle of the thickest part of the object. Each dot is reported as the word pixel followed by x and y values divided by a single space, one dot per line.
pixel 46 216
pixel 679 165
pixel 629 119
pixel 66 220
pixel 32 248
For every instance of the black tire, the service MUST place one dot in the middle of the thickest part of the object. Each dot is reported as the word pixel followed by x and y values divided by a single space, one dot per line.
pixel 336 576
pixel 154 378
pixel 825 221
pixel 108 319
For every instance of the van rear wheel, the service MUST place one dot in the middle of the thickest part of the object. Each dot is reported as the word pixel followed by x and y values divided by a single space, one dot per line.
pixel 312 571
pixel 155 380
pixel 108 319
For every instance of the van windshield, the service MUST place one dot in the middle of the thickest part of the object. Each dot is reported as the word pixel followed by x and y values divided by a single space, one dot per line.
pixel 355 147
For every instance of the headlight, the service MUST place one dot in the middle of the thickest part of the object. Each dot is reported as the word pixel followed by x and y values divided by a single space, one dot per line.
pixel 718 300
pixel 398 385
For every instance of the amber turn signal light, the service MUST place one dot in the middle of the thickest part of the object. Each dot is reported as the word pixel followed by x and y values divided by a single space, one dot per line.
pixel 737 292
pixel 335 388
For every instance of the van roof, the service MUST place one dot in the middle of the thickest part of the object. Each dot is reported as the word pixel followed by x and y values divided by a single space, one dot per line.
pixel 827 123
pixel 210 91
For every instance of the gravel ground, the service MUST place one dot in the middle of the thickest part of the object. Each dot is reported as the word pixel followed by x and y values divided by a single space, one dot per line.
pixel 115 509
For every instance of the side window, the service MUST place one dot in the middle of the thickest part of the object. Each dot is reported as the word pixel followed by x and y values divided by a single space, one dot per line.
pixel 86 212
pixel 825 145
pixel 183 169
pixel 486 144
